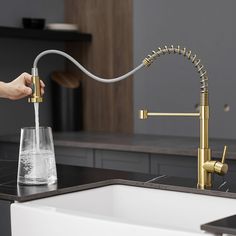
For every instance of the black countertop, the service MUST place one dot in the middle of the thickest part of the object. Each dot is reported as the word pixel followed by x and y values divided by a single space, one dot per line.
pixel 171 145
pixel 225 225
pixel 70 179
pixel 75 178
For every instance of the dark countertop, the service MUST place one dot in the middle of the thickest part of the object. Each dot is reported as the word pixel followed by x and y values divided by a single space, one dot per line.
pixel 154 144
pixel 222 226
pixel 70 179
pixel 75 178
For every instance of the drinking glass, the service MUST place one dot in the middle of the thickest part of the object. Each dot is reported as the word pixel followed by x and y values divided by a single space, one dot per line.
pixel 36 157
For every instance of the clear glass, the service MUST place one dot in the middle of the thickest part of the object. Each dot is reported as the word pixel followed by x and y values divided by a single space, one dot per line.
pixel 37 164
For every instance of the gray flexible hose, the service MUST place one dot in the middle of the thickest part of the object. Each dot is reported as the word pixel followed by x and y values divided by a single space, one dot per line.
pixel 83 69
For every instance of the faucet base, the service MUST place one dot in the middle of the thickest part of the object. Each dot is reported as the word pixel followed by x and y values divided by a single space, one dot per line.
pixel 204 177
pixel 203 186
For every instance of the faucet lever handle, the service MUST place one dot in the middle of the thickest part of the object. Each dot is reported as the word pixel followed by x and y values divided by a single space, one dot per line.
pixel 220 167
pixel 224 155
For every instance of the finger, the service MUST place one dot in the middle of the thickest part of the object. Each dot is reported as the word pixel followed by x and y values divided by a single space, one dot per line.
pixel 27 91
pixel 42 83
pixel 42 91
pixel 26 77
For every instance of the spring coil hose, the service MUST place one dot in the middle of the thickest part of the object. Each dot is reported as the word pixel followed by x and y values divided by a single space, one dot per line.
pixel 186 53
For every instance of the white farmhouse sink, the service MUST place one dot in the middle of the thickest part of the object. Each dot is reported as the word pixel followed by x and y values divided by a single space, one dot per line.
pixel 119 210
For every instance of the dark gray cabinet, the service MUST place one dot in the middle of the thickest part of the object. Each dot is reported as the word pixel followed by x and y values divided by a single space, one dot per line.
pixel 143 162
pixel 5 218
pixel 171 165
pixel 74 156
pixel 121 160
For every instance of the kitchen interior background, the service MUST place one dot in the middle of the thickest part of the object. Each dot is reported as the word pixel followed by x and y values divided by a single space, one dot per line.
pixel 171 84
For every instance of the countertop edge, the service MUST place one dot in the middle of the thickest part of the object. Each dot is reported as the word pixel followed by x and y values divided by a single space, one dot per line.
pixel 133 183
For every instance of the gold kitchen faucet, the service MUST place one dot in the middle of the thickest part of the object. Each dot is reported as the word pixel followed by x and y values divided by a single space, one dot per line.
pixel 206 166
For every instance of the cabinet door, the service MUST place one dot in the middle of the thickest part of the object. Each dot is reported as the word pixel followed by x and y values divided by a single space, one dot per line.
pixel 74 156
pixel 121 160
pixel 9 151
pixel 5 218
pixel 181 166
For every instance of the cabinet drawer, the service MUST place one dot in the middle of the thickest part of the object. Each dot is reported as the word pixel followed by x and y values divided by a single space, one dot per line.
pixel 74 156
pixel 171 165
pixel 119 160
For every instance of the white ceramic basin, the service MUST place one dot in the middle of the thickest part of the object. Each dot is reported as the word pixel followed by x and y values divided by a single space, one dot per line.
pixel 119 210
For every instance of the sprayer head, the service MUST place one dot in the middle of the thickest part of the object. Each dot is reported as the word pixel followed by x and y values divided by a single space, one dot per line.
pixel 36 88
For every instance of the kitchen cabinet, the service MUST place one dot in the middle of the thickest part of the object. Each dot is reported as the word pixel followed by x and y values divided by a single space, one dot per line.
pixel 120 160
pixel 181 166
pixel 74 156
pixel 5 218
pixel 157 164
pixel 172 156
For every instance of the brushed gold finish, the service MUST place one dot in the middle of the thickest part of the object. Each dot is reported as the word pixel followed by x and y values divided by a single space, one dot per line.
pixel 204 177
pixel 35 99
pixel 169 114
pixel 186 53
pixel 220 168
pixel 206 166
pixel 36 95
pixel 216 166
pixel 224 154
pixel 143 114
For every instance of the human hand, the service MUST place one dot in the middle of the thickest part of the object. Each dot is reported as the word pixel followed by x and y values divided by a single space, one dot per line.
pixel 18 88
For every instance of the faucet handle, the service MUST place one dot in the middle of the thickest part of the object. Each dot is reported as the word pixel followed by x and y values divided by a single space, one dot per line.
pixel 220 167
pixel 224 155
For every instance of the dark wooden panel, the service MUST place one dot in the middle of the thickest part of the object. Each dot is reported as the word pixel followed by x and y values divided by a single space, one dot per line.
pixel 105 107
